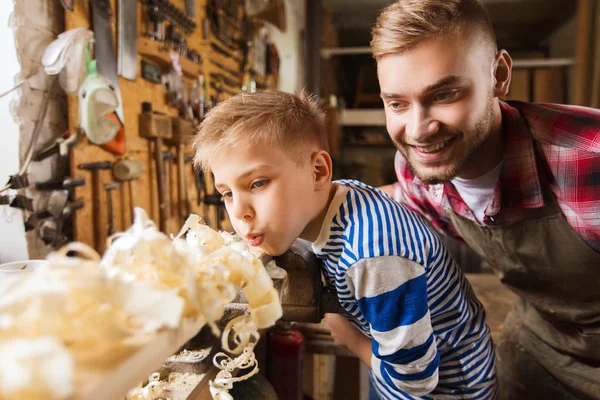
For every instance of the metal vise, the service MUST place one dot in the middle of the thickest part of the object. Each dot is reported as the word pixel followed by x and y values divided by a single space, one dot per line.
pixel 303 296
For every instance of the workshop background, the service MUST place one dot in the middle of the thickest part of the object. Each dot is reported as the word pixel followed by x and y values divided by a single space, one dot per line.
pixel 171 61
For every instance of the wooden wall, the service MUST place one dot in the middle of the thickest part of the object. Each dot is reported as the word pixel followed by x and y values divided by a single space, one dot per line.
pixel 134 93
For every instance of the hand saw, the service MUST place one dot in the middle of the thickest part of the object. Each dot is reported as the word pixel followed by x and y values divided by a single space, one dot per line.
pixel 127 46
pixel 105 54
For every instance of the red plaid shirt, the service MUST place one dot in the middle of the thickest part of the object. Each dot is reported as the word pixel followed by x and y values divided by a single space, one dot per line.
pixel 568 143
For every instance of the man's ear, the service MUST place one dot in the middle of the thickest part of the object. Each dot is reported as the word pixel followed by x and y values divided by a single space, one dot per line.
pixel 322 169
pixel 502 73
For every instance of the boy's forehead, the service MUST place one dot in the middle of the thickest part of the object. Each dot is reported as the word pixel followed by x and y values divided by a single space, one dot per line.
pixel 238 162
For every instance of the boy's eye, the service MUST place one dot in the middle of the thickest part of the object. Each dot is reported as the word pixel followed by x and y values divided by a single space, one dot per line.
pixel 226 195
pixel 395 106
pixel 258 184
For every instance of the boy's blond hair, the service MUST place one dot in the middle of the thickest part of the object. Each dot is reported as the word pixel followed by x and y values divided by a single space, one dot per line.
pixel 405 23
pixel 292 123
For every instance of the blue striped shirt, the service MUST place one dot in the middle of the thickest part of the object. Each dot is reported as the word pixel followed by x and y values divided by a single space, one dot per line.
pixel 404 291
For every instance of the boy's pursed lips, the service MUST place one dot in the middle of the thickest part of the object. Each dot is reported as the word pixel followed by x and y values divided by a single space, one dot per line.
pixel 254 239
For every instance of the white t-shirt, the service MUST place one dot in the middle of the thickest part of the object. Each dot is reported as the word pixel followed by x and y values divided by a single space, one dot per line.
pixel 477 192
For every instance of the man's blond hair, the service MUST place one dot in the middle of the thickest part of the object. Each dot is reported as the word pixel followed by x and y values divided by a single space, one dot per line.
pixel 405 23
pixel 292 123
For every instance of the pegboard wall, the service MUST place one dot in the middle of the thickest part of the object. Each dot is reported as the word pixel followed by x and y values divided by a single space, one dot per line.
pixel 133 94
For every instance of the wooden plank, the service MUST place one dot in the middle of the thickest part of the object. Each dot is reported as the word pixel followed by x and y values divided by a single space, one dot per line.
pixel 583 54
pixel 548 85
pixel 114 381
pixel 520 85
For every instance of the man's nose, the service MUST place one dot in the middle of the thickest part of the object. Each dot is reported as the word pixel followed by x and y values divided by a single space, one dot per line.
pixel 420 125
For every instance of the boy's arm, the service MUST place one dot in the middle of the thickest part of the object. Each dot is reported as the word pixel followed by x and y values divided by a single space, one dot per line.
pixel 391 294
pixel 346 334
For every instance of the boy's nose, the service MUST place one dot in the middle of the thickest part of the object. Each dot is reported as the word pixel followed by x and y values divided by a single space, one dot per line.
pixel 243 211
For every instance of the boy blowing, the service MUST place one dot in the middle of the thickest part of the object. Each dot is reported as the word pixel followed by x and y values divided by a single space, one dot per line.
pixel 417 324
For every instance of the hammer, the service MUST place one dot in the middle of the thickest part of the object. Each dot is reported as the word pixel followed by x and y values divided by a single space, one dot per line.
pixel 156 127
pixel 183 131
pixel 95 168
pixel 128 170
pixel 109 187
pixel 168 157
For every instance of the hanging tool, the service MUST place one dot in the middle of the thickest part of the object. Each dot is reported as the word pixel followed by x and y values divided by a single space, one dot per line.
pixel 200 188
pixel 161 10
pixel 48 232
pixel 228 81
pixel 95 168
pixel 218 86
pixel 216 200
pixel 154 21
pixel 187 205
pixel 183 131
pixel 18 181
pixel 156 127
pixel 60 146
pixel 68 4
pixel 190 7
pixel 168 157
pixel 60 184
pixel 151 72
pixel 221 66
pixel 56 202
pixel 226 53
pixel 106 56
pixel 129 170
pixel 127 57
pixel 67 212
pixel 22 202
pixel 109 187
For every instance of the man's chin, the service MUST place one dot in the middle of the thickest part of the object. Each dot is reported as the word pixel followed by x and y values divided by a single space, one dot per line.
pixel 435 175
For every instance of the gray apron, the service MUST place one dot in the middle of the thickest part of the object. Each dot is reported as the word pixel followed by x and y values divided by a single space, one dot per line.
pixel 550 343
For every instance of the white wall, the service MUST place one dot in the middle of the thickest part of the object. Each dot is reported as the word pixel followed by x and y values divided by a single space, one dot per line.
pixel 26 29
pixel 13 245
pixel 290 45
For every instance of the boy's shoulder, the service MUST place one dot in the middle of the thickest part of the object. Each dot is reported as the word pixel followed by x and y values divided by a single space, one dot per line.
pixel 358 186
pixel 375 225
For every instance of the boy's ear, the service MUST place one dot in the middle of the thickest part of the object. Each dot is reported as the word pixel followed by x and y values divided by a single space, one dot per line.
pixel 322 169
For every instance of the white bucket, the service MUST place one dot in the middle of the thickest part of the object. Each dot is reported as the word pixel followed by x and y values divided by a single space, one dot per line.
pixel 16 267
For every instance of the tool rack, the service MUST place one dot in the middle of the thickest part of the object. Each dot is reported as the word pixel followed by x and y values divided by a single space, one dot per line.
pixel 133 94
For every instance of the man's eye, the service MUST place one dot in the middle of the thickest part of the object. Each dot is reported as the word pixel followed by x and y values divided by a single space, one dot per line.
pixel 258 184
pixel 444 96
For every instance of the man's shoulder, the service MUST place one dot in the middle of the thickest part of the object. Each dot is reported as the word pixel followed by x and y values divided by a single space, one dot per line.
pixel 565 126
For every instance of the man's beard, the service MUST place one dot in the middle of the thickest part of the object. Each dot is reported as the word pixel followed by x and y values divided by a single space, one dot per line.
pixel 444 173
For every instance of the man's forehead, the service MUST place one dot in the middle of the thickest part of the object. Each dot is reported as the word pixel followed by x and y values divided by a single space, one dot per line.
pixel 425 67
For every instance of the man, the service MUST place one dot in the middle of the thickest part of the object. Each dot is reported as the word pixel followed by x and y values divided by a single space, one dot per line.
pixel 518 182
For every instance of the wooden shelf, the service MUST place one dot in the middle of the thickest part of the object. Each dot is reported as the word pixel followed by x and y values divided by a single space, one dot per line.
pixel 362 117
pixel 153 51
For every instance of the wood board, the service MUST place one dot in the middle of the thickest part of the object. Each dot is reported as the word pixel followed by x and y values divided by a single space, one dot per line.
pixel 115 381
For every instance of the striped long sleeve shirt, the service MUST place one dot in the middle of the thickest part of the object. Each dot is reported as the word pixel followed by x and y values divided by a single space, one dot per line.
pixel 403 290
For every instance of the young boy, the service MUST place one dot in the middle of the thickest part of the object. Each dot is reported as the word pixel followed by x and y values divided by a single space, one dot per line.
pixel 420 328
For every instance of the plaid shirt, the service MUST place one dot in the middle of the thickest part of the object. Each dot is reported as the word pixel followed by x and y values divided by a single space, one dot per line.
pixel 567 139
